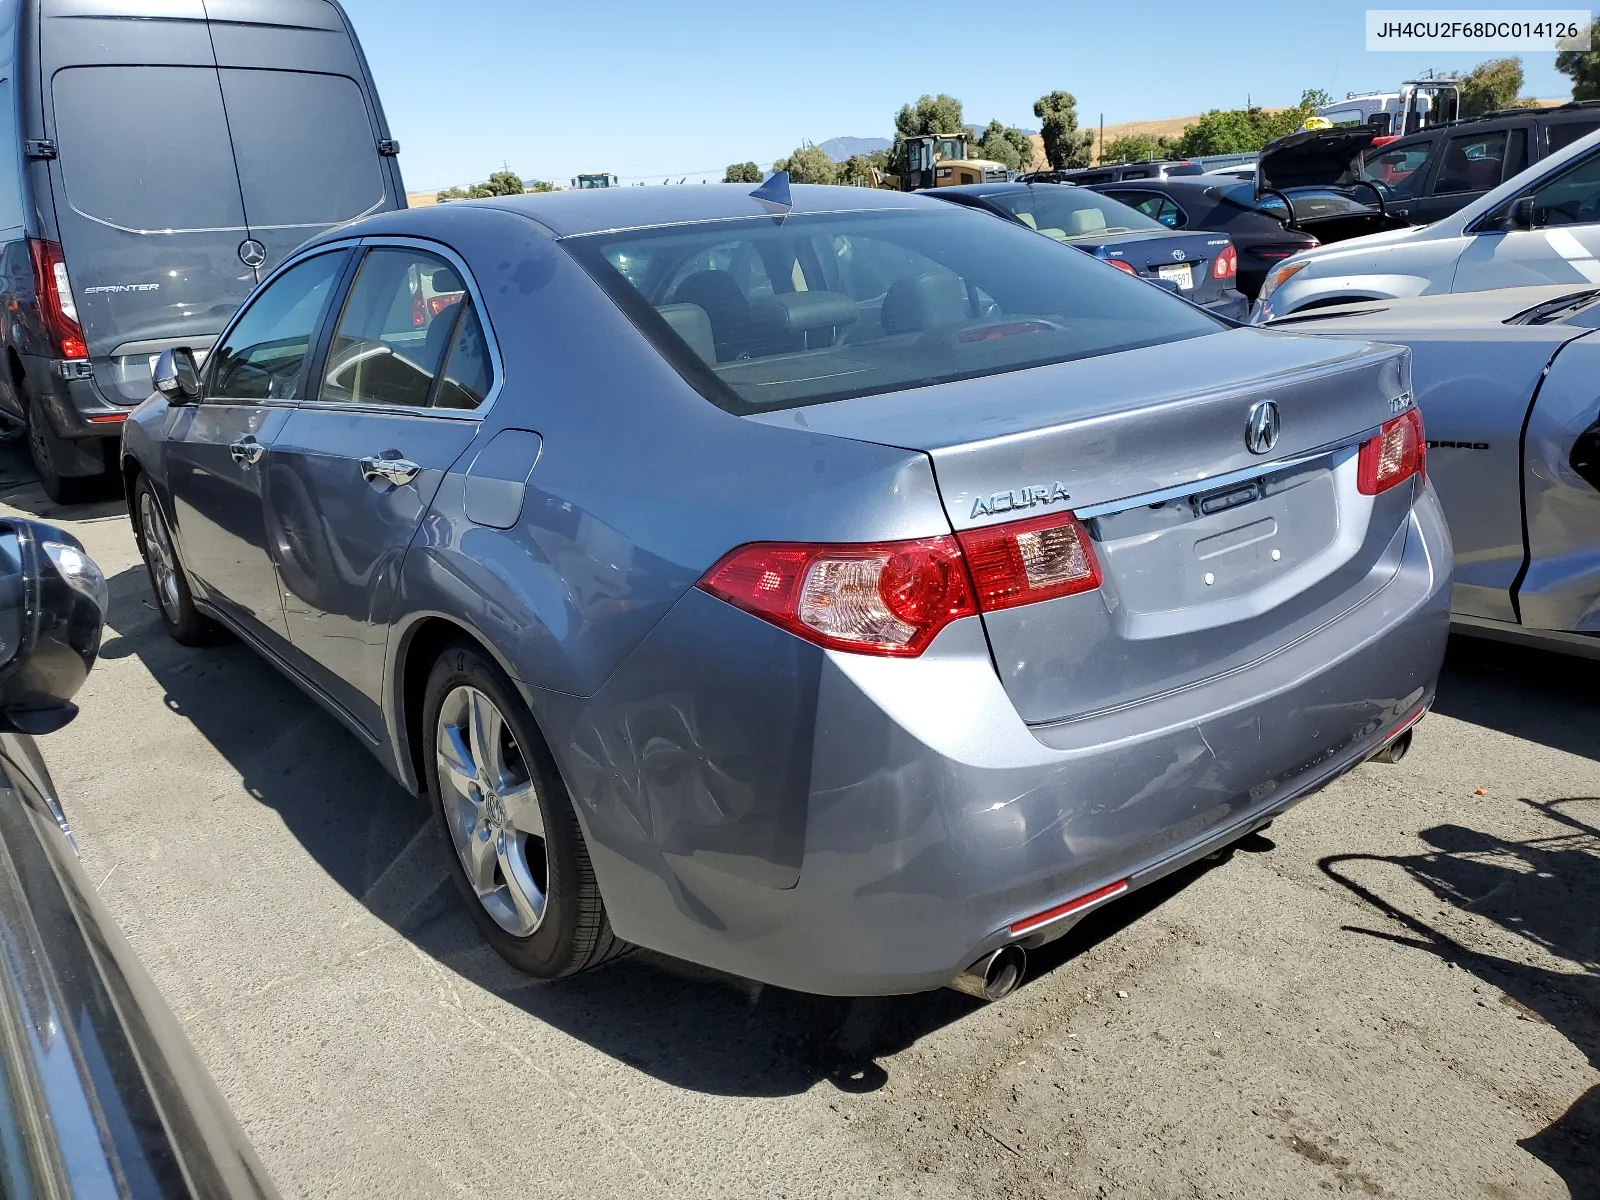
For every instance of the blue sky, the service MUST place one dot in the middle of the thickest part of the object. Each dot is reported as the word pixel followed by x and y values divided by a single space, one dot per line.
pixel 682 89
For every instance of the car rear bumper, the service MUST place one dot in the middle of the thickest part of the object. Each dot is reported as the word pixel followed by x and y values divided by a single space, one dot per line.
pixel 1235 306
pixel 849 825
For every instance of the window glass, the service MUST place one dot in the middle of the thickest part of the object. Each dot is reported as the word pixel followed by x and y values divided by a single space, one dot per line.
pixel 1472 163
pixel 1563 133
pixel 1069 213
pixel 122 130
pixel 10 164
pixel 1398 172
pixel 1516 153
pixel 467 374
pixel 1571 198
pixel 1157 207
pixel 394 330
pixel 897 299
pixel 264 357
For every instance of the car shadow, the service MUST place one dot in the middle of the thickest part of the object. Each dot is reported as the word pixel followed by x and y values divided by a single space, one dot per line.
pixel 19 489
pixel 1535 695
pixel 683 1024
pixel 1542 890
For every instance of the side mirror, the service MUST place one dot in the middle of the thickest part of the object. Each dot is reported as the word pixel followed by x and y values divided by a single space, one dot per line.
pixel 1521 214
pixel 53 602
pixel 176 376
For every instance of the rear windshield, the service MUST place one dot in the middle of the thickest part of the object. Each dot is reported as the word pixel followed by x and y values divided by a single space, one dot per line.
pixel 760 315
pixel 1065 212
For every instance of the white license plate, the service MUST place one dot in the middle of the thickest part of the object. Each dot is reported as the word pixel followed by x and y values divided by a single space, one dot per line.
pixel 1181 274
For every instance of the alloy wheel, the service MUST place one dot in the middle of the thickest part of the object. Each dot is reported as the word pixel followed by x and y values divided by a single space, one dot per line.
pixel 158 553
pixel 491 806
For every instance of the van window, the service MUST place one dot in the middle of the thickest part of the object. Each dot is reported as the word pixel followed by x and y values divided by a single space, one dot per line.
pixel 305 146
pixel 10 165
pixel 1563 134
pixel 1472 163
pixel 133 142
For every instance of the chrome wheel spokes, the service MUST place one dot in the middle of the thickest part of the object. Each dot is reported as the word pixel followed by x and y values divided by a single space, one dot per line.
pixel 159 554
pixel 491 805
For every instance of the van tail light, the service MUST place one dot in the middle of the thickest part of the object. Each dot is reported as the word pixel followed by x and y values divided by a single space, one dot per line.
pixel 1226 265
pixel 1395 455
pixel 1121 265
pixel 1023 562
pixel 886 598
pixel 893 598
pixel 57 308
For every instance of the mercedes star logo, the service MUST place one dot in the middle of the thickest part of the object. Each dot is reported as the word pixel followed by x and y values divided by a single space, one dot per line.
pixel 1261 428
pixel 252 253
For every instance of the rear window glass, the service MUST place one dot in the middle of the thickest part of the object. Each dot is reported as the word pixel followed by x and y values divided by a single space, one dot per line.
pixel 1563 133
pixel 1065 212
pixel 146 148
pixel 762 316
pixel 305 145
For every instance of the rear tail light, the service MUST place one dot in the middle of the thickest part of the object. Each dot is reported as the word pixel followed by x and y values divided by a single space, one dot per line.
pixel 1024 562
pixel 887 598
pixel 1276 251
pixel 419 308
pixel 1395 455
pixel 1121 265
pixel 1226 265
pixel 57 308
pixel 893 598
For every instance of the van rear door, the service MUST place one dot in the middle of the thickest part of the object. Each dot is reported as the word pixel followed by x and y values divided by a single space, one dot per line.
pixel 147 201
pixel 307 126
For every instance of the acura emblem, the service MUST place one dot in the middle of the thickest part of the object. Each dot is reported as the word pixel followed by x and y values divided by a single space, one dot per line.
pixel 252 253
pixel 1261 428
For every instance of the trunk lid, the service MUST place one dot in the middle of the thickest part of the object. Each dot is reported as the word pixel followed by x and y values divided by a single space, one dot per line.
pixel 1156 255
pixel 1213 557
pixel 1313 158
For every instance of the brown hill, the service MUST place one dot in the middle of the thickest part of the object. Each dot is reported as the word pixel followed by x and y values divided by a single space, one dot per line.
pixel 1168 127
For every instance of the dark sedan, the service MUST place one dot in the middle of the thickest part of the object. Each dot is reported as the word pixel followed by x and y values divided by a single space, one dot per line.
pixel 1228 206
pixel 1201 266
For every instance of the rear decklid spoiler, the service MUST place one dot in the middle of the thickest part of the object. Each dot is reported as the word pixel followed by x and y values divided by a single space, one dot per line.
pixel 1096 431
pixel 1314 158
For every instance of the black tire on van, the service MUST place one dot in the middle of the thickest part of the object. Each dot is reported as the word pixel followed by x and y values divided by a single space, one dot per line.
pixel 46 450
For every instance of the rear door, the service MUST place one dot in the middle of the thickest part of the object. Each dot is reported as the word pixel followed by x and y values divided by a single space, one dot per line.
pixel 400 387
pixel 308 132
pixel 147 200
pixel 1561 472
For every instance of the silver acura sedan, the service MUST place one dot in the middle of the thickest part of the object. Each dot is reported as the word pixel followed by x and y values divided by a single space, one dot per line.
pixel 837 588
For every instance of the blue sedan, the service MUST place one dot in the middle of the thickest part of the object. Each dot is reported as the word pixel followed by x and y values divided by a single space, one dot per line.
pixel 834 587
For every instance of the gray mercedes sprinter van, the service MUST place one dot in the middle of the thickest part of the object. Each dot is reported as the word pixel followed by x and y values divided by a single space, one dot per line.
pixel 157 158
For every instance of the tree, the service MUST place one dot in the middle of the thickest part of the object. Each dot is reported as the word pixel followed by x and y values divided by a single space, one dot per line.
pixel 930 114
pixel 1583 67
pixel 808 165
pixel 452 193
pixel 859 170
pixel 1005 145
pixel 541 185
pixel 1314 98
pixel 1491 86
pixel 1138 147
pixel 745 172
pixel 1065 145
pixel 505 182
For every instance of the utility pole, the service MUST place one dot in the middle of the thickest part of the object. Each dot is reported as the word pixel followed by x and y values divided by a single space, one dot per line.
pixel 1100 146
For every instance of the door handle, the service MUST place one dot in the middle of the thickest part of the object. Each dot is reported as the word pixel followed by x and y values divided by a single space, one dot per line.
pixel 247 451
pixel 396 471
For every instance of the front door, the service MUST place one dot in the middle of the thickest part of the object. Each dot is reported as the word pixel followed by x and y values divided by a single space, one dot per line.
pixel 217 453
pixel 355 469
pixel 1562 247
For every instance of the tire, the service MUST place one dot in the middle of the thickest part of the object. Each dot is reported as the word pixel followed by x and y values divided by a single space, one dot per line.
pixel 487 811
pixel 187 624
pixel 44 447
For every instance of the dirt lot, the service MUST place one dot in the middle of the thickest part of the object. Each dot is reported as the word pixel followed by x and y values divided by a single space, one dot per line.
pixel 1395 993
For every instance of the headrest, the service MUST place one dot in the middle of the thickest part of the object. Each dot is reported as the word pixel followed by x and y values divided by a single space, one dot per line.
pixel 797 312
pixel 1027 219
pixel 689 322
pixel 1085 220
pixel 926 301
pixel 445 279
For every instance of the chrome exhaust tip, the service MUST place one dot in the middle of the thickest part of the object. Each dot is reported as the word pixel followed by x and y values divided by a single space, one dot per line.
pixel 995 975
pixel 1395 750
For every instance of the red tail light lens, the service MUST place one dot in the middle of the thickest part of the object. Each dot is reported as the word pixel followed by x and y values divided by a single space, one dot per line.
pixel 1226 265
pixel 1395 455
pixel 1023 562
pixel 57 308
pixel 1121 265
pixel 888 598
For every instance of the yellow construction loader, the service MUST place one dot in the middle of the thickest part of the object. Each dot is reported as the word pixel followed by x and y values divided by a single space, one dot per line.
pixel 935 161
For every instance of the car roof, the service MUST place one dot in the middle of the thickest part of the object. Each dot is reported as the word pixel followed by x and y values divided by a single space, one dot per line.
pixel 596 209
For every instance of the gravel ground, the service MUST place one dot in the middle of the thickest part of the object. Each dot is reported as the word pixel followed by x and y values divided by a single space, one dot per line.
pixel 1395 992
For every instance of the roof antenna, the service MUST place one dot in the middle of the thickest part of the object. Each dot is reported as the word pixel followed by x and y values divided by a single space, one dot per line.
pixel 773 195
